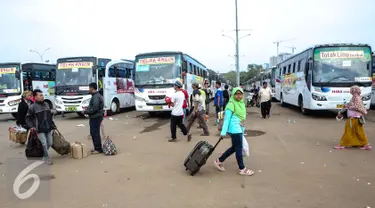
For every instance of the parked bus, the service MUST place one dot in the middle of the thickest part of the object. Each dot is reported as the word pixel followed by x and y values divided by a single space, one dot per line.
pixel 17 77
pixel 73 76
pixel 156 73
pixel 320 77
pixel 373 81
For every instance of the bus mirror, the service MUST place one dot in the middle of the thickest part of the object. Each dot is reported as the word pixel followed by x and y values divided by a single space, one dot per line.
pixel 18 75
pixel 94 68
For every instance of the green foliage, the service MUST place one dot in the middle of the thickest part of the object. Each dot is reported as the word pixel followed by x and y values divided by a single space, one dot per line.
pixel 252 71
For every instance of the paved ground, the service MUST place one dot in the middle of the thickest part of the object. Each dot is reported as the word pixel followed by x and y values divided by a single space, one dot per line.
pixel 294 162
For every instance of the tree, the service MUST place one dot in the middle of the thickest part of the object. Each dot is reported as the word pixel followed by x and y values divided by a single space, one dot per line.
pixel 252 71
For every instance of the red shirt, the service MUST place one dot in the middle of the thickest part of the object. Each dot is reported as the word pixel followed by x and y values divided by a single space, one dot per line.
pixel 184 106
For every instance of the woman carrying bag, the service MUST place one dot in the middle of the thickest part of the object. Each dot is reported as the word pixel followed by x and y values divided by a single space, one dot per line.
pixel 234 116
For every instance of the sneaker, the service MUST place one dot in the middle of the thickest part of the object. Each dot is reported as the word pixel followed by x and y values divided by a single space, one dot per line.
pixel 172 140
pixel 48 162
pixel 95 152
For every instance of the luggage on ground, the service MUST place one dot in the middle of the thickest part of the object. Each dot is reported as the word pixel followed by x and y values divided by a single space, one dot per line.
pixel 199 155
pixel 78 150
pixel 18 134
pixel 60 145
pixel 34 148
pixel 109 148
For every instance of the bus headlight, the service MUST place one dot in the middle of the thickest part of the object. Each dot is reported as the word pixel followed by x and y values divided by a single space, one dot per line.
pixel 86 102
pixel 139 98
pixel 14 102
pixel 318 97
pixel 366 97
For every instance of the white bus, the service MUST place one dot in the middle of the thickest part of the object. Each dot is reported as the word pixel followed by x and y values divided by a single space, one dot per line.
pixel 17 77
pixel 156 73
pixel 320 77
pixel 114 79
pixel 373 82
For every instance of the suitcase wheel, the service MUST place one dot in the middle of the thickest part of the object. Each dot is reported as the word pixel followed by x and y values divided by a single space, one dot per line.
pixel 194 172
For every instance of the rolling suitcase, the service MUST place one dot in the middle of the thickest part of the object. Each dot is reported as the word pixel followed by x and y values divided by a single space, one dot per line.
pixel 199 155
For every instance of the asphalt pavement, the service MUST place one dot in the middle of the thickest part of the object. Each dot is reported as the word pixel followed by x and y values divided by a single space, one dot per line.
pixel 292 155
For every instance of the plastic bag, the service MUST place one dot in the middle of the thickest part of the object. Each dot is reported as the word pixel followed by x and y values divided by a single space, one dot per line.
pixel 245 147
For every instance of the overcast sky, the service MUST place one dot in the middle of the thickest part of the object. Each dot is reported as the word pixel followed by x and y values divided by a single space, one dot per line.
pixel 123 28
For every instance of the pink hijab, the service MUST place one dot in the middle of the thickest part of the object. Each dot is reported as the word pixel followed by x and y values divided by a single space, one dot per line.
pixel 356 103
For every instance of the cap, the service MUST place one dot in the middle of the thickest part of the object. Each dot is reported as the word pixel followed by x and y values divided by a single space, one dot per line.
pixel 178 84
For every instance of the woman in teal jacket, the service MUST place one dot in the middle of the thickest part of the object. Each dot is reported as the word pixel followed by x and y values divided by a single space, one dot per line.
pixel 235 115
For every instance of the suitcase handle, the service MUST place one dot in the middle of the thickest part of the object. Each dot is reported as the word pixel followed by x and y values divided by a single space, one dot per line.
pixel 213 149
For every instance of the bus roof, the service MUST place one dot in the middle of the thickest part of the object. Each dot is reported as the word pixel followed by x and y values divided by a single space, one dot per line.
pixel 25 62
pixel 326 45
pixel 168 53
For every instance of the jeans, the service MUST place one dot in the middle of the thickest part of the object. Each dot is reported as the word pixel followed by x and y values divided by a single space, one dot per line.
pixel 177 121
pixel 47 141
pixel 207 108
pixel 218 109
pixel 235 148
pixel 183 120
pixel 200 116
pixel 95 133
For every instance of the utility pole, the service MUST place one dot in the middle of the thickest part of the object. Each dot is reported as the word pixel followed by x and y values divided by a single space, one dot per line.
pixel 278 44
pixel 237 50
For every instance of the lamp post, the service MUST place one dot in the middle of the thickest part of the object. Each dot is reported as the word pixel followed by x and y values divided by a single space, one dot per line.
pixel 40 55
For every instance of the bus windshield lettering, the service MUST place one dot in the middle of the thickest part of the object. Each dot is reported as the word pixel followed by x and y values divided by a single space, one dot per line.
pixel 8 81
pixel 74 73
pixel 157 70
pixel 342 64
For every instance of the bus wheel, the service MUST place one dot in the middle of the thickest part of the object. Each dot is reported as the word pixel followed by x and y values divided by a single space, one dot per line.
pixel 114 106
pixel 282 103
pixel 14 115
pixel 303 110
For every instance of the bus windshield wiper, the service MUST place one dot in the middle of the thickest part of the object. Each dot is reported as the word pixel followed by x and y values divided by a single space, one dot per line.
pixel 325 83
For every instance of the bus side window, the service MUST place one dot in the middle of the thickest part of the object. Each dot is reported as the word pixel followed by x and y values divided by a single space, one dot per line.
pixel 284 70
pixel 190 69
pixel 184 66
pixel 299 66
pixel 289 68
pixel 294 68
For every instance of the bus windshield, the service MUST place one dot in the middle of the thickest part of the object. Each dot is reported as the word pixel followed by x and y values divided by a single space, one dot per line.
pixel 74 73
pixel 9 84
pixel 342 65
pixel 153 70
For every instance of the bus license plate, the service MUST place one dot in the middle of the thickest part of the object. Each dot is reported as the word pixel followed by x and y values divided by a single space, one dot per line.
pixel 70 108
pixel 339 106
pixel 158 107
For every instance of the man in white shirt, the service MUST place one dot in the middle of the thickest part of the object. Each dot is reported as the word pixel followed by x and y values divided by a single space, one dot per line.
pixel 265 96
pixel 177 117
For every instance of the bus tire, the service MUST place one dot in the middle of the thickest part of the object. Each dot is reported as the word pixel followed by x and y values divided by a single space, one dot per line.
pixel 14 115
pixel 303 110
pixel 114 106
pixel 282 103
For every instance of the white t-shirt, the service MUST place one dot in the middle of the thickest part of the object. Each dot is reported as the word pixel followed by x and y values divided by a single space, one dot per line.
pixel 265 94
pixel 178 100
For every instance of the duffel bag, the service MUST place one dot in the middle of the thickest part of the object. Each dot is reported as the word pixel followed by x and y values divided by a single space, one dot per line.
pixel 60 145
pixel 34 148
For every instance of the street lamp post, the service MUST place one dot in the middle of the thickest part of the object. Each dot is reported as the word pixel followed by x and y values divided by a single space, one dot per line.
pixel 40 55
pixel 237 50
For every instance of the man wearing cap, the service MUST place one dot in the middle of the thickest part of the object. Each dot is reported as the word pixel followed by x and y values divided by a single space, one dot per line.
pixel 198 111
pixel 177 102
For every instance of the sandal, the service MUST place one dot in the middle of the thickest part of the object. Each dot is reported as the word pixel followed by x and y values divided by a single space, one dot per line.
pixel 219 165
pixel 366 147
pixel 338 147
pixel 246 172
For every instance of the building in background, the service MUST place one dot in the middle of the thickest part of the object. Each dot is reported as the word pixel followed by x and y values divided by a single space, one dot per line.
pixel 274 60
pixel 266 66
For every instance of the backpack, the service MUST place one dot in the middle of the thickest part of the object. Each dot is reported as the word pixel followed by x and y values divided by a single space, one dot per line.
pixel 60 145
pixel 34 147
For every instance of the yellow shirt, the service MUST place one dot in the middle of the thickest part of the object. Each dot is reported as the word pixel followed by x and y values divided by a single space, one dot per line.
pixel 203 97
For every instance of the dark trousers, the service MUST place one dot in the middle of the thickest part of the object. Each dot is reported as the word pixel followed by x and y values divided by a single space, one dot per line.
pixel 235 148
pixel 218 109
pixel 95 133
pixel 177 121
pixel 200 116
pixel 265 108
